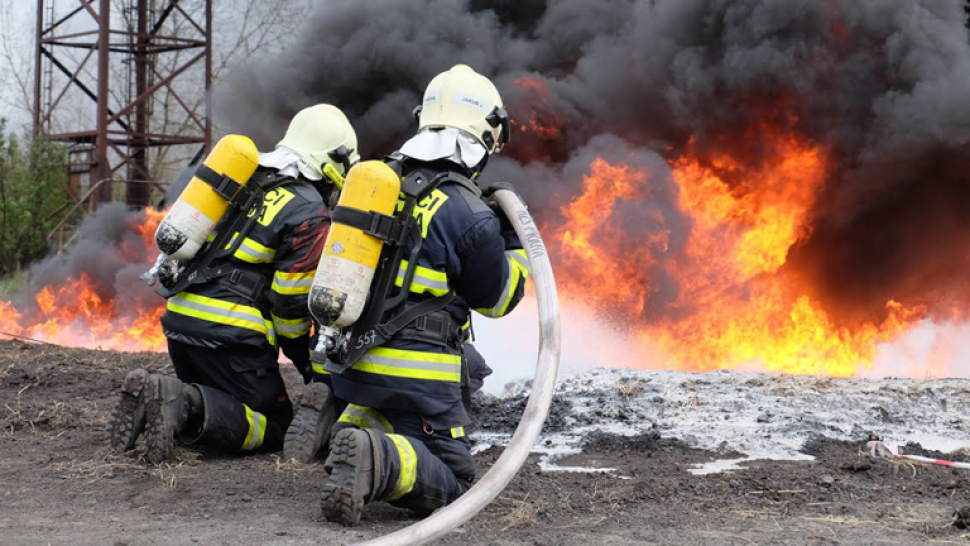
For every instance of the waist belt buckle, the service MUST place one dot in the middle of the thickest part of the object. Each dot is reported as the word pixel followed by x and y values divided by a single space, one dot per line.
pixel 420 323
pixel 235 276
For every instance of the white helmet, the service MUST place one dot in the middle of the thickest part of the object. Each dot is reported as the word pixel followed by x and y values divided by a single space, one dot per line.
pixel 322 134
pixel 466 100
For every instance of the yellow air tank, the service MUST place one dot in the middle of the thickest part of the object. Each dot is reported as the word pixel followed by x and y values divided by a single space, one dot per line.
pixel 199 208
pixel 350 256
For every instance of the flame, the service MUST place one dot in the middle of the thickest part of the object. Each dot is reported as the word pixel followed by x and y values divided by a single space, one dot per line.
pixel 542 121
pixel 736 305
pixel 81 312
pixel 586 226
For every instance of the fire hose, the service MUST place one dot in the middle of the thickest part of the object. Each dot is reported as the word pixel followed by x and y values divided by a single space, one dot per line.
pixel 543 385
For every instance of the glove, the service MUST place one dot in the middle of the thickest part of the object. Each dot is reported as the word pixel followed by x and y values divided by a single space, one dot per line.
pixel 504 224
pixel 487 191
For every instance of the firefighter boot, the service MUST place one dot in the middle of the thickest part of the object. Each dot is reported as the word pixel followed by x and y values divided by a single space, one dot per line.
pixel 167 409
pixel 355 466
pixel 311 426
pixel 127 419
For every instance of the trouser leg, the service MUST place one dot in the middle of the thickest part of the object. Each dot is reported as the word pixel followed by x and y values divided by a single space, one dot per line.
pixel 244 398
pixel 421 470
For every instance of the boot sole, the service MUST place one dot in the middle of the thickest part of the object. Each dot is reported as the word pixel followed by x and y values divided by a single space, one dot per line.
pixel 127 420
pixel 310 428
pixel 342 499
pixel 160 439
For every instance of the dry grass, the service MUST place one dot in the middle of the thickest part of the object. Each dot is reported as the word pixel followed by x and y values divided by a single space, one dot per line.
pixel 16 420
pixel 518 512
pixel 291 465
pixel 628 388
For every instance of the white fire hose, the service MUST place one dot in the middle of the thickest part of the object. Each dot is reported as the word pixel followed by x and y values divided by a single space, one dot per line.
pixel 494 481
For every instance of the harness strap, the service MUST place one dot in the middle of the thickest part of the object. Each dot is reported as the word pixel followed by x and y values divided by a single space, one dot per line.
pixel 197 270
pixel 248 284
pixel 384 227
pixel 221 184
pixel 437 328
pixel 412 313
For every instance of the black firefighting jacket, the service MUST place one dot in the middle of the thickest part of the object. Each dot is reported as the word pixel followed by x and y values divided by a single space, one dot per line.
pixel 283 247
pixel 465 250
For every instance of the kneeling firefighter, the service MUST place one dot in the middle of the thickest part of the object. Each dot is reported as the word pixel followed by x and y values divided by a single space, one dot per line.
pixel 401 438
pixel 243 296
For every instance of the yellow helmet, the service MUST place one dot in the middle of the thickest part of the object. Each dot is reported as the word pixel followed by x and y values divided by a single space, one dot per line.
pixel 466 100
pixel 321 134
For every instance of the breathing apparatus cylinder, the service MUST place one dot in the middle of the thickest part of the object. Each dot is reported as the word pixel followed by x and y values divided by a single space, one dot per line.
pixel 205 200
pixel 346 269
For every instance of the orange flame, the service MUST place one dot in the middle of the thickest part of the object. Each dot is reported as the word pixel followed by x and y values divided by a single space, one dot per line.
pixel 542 121
pixel 584 229
pixel 79 312
pixel 737 305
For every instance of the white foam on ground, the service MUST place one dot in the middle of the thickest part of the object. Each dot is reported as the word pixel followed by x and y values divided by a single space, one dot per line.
pixel 756 415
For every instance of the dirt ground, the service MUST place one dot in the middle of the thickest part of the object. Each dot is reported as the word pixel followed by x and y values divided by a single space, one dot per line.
pixel 60 486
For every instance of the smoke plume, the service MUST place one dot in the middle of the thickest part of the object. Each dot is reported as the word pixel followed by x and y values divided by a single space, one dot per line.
pixel 881 85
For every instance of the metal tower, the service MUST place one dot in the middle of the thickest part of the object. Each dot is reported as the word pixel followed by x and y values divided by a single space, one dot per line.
pixel 116 83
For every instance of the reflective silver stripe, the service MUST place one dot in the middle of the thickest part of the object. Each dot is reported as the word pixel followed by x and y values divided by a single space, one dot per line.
pixel 506 295
pixel 252 252
pixel 507 291
pixel 366 417
pixel 407 364
pixel 421 279
pixel 291 328
pixel 257 433
pixel 236 315
pixel 298 283
pixel 520 259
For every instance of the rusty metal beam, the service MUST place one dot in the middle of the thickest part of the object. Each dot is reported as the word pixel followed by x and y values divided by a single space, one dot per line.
pixel 102 168
pixel 157 86
pixel 122 135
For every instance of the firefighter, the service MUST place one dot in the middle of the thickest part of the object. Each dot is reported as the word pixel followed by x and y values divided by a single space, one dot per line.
pixel 401 438
pixel 224 334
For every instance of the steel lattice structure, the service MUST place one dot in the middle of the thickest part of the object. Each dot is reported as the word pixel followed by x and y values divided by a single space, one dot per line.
pixel 83 59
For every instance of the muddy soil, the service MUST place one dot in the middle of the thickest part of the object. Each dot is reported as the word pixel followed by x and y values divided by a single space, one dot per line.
pixel 60 486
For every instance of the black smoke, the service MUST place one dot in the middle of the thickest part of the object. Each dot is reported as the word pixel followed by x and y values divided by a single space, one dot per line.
pixel 106 249
pixel 882 85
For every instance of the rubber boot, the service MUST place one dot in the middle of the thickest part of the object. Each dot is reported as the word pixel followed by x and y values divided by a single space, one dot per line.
pixel 355 466
pixel 167 411
pixel 127 420
pixel 311 425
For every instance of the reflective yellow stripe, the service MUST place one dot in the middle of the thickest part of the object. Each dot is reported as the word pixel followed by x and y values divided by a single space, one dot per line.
pixel 411 364
pixel 409 467
pixel 363 417
pixel 426 280
pixel 458 432
pixel 318 368
pixel 257 429
pixel 292 283
pixel 252 252
pixel 292 328
pixel 222 312
pixel 516 272
pixel 521 259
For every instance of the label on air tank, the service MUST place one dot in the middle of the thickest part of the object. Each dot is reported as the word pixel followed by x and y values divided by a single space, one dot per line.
pixel 348 277
pixel 190 221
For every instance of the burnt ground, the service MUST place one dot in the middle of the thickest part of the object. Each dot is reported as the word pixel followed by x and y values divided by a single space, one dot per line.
pixel 60 486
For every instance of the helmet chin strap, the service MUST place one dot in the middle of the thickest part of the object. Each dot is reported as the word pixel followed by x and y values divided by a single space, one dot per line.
pixel 477 169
